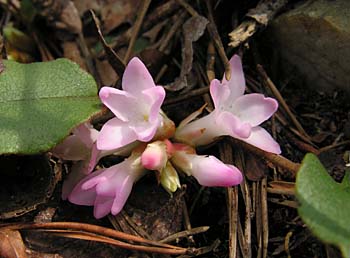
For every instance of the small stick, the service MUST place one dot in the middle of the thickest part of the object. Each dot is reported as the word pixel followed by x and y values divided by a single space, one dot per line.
pixel 107 232
pixel 136 29
pixel 279 97
pixel 280 191
pixel 188 95
pixel 187 220
pixel 332 146
pixel 288 203
pixel 232 202
pixel 184 233
pixel 245 242
pixel 210 61
pixel 217 41
pixel 179 20
pixel 264 217
pixel 258 218
pixel 277 160
pixel 301 145
pixel 188 8
pixel 108 240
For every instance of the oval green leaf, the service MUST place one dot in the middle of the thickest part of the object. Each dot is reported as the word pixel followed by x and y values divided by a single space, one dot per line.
pixel 325 204
pixel 40 103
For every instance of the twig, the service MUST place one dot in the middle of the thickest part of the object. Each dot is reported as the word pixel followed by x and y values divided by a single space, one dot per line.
pixel 258 218
pixel 113 59
pixel 179 20
pixel 288 203
pixel 187 220
pixel 332 146
pixel 257 18
pixel 187 7
pixel 102 231
pixel 245 240
pixel 277 160
pixel 264 217
pixel 210 61
pixel 232 202
pixel 189 95
pixel 185 233
pixel 217 41
pixel 136 29
pixel 97 238
pixel 281 187
pixel 281 100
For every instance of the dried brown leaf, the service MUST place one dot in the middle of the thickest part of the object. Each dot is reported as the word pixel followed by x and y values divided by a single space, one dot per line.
pixel 193 29
pixel 255 167
pixel 11 244
pixel 117 12
pixel 114 60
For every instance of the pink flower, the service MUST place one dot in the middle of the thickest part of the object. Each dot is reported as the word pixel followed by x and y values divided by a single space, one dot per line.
pixel 156 154
pixel 78 147
pixel 208 170
pixel 108 189
pixel 235 114
pixel 136 107
pixel 81 148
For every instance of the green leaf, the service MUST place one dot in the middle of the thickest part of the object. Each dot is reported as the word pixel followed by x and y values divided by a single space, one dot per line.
pixel 40 103
pixel 325 204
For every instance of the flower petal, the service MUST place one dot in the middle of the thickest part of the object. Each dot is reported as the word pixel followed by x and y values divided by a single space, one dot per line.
pixel 122 194
pixel 145 131
pixel 86 133
pixel 237 82
pixel 233 125
pixel 79 170
pixel 210 171
pixel 102 206
pixel 115 134
pixel 72 148
pixel 254 108
pixel 82 195
pixel 219 93
pixel 263 140
pixel 155 156
pixel 123 104
pixel 136 77
pixel 154 98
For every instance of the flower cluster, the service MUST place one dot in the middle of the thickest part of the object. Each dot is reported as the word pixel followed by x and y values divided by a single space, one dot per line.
pixel 147 138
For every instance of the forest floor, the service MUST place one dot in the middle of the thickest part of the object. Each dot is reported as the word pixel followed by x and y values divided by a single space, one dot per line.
pixel 184 45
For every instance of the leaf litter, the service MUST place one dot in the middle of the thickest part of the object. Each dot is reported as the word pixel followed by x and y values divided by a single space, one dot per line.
pixel 268 192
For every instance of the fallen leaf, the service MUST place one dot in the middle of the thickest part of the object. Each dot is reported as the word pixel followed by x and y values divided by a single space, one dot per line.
pixel 193 29
pixel 11 244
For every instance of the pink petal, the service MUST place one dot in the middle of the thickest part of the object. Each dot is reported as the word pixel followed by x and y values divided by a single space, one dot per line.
pixel 263 140
pixel 121 103
pixel 145 131
pixel 210 171
pixel 154 98
pixel 72 148
pixel 78 171
pixel 237 82
pixel 233 125
pixel 86 133
pixel 95 157
pixel 102 206
pixel 254 108
pixel 82 196
pixel 115 134
pixel 122 194
pixel 136 77
pixel 219 93
pixel 114 178
pixel 155 156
